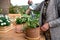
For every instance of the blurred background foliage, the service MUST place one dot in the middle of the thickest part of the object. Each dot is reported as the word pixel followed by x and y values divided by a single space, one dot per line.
pixel 22 10
pixel 18 9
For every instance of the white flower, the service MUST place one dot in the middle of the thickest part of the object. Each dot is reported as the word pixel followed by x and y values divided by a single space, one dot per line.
pixel 1 21
pixel 15 20
pixel 6 16
pixel 2 24
pixel 8 21
pixel 2 15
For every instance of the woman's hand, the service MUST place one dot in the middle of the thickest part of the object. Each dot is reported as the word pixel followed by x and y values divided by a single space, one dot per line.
pixel 45 27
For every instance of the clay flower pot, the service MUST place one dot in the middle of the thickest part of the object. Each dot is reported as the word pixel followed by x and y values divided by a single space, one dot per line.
pixel 33 32
pixel 19 28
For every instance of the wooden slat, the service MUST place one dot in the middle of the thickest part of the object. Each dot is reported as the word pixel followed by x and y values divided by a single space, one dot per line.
pixel 6 29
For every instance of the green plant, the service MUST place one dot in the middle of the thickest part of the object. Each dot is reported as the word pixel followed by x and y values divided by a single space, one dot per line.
pixel 25 15
pixel 32 23
pixel 21 20
pixel 23 9
pixel 4 21
pixel 14 10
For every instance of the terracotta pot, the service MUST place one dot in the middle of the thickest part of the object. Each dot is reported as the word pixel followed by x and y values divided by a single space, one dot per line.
pixel 19 28
pixel 33 32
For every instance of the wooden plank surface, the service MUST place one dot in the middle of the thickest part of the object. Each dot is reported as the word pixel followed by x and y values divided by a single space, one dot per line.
pixel 6 29
pixel 12 35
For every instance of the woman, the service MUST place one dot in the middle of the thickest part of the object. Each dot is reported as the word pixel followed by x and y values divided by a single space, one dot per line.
pixel 51 17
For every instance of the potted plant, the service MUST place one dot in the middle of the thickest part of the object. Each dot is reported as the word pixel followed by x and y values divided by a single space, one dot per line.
pixel 5 24
pixel 32 30
pixel 19 24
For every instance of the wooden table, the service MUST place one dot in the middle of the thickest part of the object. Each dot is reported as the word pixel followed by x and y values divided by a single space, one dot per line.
pixel 12 35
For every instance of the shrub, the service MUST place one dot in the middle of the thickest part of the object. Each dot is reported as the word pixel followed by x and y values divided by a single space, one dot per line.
pixel 4 21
